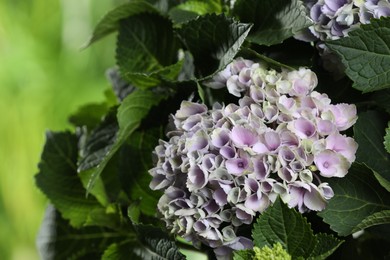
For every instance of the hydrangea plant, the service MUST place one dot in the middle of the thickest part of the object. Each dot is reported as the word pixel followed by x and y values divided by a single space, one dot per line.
pixel 223 136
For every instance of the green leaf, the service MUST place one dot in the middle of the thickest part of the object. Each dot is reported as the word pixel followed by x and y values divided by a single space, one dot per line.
pixel 135 162
pixel 120 251
pixel 133 109
pixel 213 40
pixel 326 246
pixel 58 179
pixel 280 224
pixel 243 255
pixel 147 50
pixel 369 131
pixel 274 20
pixel 366 55
pixel 381 98
pixel 191 9
pixel 387 138
pixel 98 143
pixel 152 244
pixel 286 226
pixel 357 196
pixel 89 115
pixel 378 218
pixel 110 22
pixel 155 244
pixel 58 240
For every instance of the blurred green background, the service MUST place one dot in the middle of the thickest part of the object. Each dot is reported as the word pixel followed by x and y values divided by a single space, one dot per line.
pixel 43 77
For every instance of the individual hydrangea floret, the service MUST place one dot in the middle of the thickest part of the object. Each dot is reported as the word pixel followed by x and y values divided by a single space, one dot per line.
pixel 223 166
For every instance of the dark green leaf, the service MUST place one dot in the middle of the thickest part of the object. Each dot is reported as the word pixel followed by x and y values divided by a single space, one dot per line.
pixel 58 179
pixel 357 196
pixel 274 20
pixel 136 160
pixel 378 218
pixel 381 98
pixel 366 55
pixel 286 226
pixel 89 115
pixel 98 143
pixel 134 108
pixel 58 240
pixel 155 244
pixel 152 244
pixel 120 251
pixel 110 22
pixel 369 131
pixel 147 50
pixel 326 245
pixel 243 255
pixel 213 40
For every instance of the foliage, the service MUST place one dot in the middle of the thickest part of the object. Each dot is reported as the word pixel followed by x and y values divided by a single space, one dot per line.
pixel 97 177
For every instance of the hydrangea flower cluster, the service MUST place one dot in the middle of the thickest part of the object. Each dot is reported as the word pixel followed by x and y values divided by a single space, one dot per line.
pixel 333 19
pixel 223 166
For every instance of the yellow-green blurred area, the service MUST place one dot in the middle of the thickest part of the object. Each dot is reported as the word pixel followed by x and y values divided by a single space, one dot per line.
pixel 43 77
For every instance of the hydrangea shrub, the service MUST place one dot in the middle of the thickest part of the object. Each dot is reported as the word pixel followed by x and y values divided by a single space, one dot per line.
pixel 223 166
pixel 224 136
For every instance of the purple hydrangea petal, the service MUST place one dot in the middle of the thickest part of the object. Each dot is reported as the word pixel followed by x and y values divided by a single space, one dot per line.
pixel 325 127
pixel 260 168
pixel 257 202
pixel 286 174
pixel 227 152
pixel 303 128
pixel 331 164
pixel 313 199
pixel 199 141
pixel 272 140
pixel 211 207
pixel 201 226
pixel 331 6
pixel 220 197
pixel 236 166
pixel 197 178
pixel 189 108
pixel 343 115
pixel 243 137
pixel 326 190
